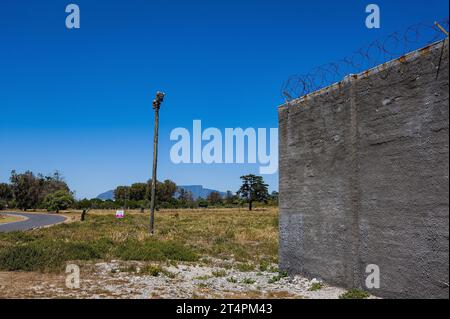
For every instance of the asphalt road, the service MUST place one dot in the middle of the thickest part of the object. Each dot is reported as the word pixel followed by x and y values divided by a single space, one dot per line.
pixel 33 221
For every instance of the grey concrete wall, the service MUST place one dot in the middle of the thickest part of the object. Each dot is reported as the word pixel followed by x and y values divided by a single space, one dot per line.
pixel 364 169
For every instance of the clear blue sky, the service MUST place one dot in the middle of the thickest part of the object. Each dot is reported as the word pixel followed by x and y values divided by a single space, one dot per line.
pixel 79 101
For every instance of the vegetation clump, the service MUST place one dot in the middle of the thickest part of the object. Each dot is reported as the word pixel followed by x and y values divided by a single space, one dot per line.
pixel 355 294
pixel 316 286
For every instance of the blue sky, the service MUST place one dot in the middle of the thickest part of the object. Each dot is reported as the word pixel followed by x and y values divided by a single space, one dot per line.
pixel 79 101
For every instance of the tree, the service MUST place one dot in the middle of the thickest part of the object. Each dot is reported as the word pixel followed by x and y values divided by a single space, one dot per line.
pixel 166 191
pixel 185 198
pixel 202 203
pixel 230 198
pixel 253 189
pixel 138 191
pixel 122 193
pixel 50 184
pixel 274 197
pixel 58 200
pixel 214 198
pixel 84 204
pixel 6 195
pixel 30 190
pixel 25 188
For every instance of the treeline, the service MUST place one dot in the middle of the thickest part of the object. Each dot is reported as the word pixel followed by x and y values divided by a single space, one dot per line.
pixel 27 190
pixel 30 191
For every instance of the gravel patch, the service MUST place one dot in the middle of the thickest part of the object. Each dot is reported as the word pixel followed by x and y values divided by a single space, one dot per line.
pixel 215 279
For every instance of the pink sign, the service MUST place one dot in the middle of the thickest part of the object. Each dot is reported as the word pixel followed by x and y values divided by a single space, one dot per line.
pixel 120 214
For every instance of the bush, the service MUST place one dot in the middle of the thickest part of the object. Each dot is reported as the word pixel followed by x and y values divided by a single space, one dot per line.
pixel 354 294
pixel 48 255
pixel 248 281
pixel 203 203
pixel 277 278
pixel 316 286
pixel 58 200
pixel 154 251
pixel 219 273
pixel 152 270
pixel 26 258
pixel 245 267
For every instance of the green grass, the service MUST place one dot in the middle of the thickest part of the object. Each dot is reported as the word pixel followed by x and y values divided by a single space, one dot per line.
pixel 152 270
pixel 129 268
pixel 249 238
pixel 248 281
pixel 156 270
pixel 46 255
pixel 316 286
pixel 277 278
pixel 205 277
pixel 154 250
pixel 354 294
pixel 219 273
pixel 264 265
pixel 245 267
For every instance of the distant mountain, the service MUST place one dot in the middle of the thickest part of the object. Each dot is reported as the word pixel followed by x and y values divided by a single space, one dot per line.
pixel 197 192
pixel 106 195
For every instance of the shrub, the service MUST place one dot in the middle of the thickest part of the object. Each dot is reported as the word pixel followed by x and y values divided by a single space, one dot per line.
pixel 58 200
pixel 277 278
pixel 248 281
pixel 26 258
pixel 245 267
pixel 154 251
pixel 316 286
pixel 219 273
pixel 153 270
pixel 264 265
pixel 354 294
pixel 46 255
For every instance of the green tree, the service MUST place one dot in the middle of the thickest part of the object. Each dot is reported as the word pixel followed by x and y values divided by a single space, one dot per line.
pixel 253 189
pixel 30 190
pixel 274 197
pixel 58 200
pixel 185 198
pixel 166 191
pixel 122 193
pixel 51 184
pixel 231 199
pixel 84 204
pixel 202 203
pixel 214 198
pixel 138 191
pixel 6 195
pixel 26 189
pixel 6 192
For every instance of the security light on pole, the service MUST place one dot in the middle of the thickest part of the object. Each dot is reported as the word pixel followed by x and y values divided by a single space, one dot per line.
pixel 156 105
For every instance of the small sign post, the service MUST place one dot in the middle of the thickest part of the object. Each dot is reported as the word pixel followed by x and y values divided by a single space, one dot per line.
pixel 120 214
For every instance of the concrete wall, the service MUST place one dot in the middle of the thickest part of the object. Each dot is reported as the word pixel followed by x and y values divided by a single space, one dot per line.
pixel 364 169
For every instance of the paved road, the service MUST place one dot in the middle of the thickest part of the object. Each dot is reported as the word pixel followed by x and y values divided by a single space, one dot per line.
pixel 33 221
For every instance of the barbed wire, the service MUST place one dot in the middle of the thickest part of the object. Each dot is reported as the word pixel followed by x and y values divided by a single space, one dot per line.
pixel 372 56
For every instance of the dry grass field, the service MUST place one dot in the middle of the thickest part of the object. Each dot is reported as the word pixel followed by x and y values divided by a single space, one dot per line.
pixel 204 253
pixel 181 235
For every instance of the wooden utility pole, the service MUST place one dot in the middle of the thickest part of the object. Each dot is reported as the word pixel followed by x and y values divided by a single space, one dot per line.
pixel 156 105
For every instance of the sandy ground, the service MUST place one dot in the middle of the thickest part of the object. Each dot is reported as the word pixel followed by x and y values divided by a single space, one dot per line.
pixel 117 279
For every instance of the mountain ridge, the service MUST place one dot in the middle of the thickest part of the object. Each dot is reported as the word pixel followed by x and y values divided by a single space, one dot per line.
pixel 198 191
